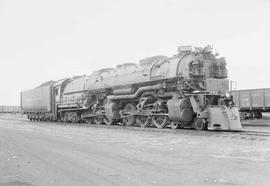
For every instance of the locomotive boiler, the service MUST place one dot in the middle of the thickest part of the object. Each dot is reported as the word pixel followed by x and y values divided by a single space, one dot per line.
pixel 185 90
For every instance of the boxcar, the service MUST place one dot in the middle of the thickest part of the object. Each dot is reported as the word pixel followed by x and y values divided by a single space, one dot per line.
pixel 9 109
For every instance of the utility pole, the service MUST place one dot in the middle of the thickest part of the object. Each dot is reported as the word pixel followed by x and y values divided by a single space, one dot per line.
pixel 231 88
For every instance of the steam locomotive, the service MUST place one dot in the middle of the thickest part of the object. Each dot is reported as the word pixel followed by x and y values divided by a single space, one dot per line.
pixel 185 90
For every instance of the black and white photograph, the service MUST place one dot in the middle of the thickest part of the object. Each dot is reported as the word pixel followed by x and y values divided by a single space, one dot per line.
pixel 134 93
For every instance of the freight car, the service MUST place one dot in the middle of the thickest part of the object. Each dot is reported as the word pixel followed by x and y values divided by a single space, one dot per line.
pixel 252 102
pixel 185 90
pixel 9 109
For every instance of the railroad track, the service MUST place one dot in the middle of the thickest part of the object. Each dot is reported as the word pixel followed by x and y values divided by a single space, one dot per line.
pixel 267 125
pixel 256 123
pixel 256 133
pixel 244 134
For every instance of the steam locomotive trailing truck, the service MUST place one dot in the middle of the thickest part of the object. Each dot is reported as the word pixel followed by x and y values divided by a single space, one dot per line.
pixel 185 90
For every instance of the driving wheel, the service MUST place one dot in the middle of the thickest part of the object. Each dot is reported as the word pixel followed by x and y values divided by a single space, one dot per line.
pixel 98 120
pixel 129 120
pixel 143 121
pixel 160 121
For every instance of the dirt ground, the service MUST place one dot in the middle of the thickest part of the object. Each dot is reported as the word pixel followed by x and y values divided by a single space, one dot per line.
pixel 44 154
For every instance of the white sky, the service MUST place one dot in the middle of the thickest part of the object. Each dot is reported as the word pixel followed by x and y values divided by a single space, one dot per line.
pixel 52 39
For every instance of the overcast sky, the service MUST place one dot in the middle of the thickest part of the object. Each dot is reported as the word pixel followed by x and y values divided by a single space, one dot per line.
pixel 52 39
